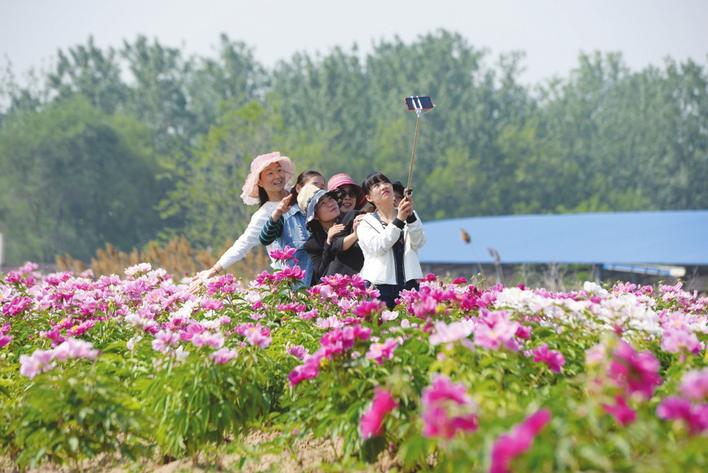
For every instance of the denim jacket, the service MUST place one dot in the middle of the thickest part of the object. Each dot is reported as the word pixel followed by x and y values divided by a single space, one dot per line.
pixel 294 233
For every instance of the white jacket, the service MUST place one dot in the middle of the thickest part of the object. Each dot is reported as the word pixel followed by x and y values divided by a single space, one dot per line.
pixel 376 243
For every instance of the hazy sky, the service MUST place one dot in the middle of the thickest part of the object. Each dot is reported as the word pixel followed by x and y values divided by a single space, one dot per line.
pixel 551 32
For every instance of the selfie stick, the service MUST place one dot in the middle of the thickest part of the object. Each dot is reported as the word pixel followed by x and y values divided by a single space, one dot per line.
pixel 417 106
pixel 409 186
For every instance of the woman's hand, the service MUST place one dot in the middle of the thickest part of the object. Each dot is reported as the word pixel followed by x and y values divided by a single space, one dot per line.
pixel 282 207
pixel 201 278
pixel 405 208
pixel 357 221
pixel 333 230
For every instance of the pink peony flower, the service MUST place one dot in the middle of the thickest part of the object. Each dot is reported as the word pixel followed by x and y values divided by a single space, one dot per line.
pixel 677 340
pixel 694 385
pixel 298 351
pixel 553 359
pixel 382 351
pixel 366 309
pixel 73 348
pixel 223 355
pixel 212 304
pixel 16 306
pixel 212 339
pixel 495 331
pixel 164 340
pixel 259 336
pixel 622 413
pixel 42 360
pixel 519 440
pixel 694 416
pixel 371 422
pixel 447 409
pixel 449 333
pixel 37 362
pixel 310 369
pixel 283 254
pixel 633 371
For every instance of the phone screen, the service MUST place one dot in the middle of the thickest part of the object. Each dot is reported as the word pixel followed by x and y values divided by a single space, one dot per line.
pixel 419 102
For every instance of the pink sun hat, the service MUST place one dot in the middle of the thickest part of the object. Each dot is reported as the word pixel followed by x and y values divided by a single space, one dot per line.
pixel 250 187
pixel 339 180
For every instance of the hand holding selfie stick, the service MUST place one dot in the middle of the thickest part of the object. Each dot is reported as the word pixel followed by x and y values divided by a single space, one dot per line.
pixel 419 104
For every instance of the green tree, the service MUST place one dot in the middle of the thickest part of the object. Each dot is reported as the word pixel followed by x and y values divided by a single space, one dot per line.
pixel 73 179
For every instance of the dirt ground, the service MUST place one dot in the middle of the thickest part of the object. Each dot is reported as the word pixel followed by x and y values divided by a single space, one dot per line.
pixel 305 455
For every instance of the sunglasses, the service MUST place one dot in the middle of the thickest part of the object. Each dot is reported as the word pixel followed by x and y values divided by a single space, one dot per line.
pixel 342 192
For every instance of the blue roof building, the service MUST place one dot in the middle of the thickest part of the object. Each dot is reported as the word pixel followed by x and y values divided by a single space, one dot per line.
pixel 666 237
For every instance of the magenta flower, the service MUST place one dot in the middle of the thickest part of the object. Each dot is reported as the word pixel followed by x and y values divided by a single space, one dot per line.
pixel 371 422
pixel 283 254
pixel 225 284
pixel 310 369
pixel 694 416
pixel 622 413
pixel 635 372
pixel 5 340
pixel 447 409
pixel 292 307
pixel 16 306
pixel 366 309
pixel 553 359
pixel 519 440
pixel 290 273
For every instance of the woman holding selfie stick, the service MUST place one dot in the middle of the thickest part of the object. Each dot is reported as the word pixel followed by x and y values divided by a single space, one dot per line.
pixel 267 185
pixel 390 238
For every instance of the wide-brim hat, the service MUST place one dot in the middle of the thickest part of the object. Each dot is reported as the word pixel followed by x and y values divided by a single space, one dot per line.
pixel 249 194
pixel 339 180
pixel 308 198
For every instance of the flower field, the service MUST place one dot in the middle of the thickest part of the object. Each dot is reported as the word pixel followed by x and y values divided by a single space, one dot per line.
pixel 137 369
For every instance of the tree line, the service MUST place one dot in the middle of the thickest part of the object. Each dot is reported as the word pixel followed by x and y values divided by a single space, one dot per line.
pixel 140 143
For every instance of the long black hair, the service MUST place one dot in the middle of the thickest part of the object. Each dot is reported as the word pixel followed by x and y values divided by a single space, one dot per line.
pixel 301 179
pixel 262 196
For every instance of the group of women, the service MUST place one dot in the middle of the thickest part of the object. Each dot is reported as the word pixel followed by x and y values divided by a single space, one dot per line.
pixel 339 227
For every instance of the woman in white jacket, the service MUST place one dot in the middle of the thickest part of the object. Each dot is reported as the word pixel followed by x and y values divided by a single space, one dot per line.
pixel 390 238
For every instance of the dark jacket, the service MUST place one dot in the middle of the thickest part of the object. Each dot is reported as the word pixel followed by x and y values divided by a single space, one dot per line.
pixel 331 259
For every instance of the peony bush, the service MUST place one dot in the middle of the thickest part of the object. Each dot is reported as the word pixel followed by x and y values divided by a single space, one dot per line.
pixel 457 378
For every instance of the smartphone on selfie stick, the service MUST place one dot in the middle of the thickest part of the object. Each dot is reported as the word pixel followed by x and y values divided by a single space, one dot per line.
pixel 417 104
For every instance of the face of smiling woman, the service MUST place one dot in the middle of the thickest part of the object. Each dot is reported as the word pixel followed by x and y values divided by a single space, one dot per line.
pixel 272 178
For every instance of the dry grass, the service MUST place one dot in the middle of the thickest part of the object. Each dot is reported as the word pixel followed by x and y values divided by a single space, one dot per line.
pixel 177 257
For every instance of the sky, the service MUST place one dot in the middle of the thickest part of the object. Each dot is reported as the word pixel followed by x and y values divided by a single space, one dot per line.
pixel 551 32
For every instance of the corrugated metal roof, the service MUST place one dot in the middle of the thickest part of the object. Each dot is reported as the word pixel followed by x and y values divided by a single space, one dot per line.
pixel 672 237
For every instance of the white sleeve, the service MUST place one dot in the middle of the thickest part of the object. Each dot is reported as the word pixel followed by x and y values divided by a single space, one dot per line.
pixel 246 241
pixel 416 233
pixel 374 241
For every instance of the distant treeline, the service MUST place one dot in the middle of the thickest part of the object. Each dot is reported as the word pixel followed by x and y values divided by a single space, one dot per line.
pixel 142 143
